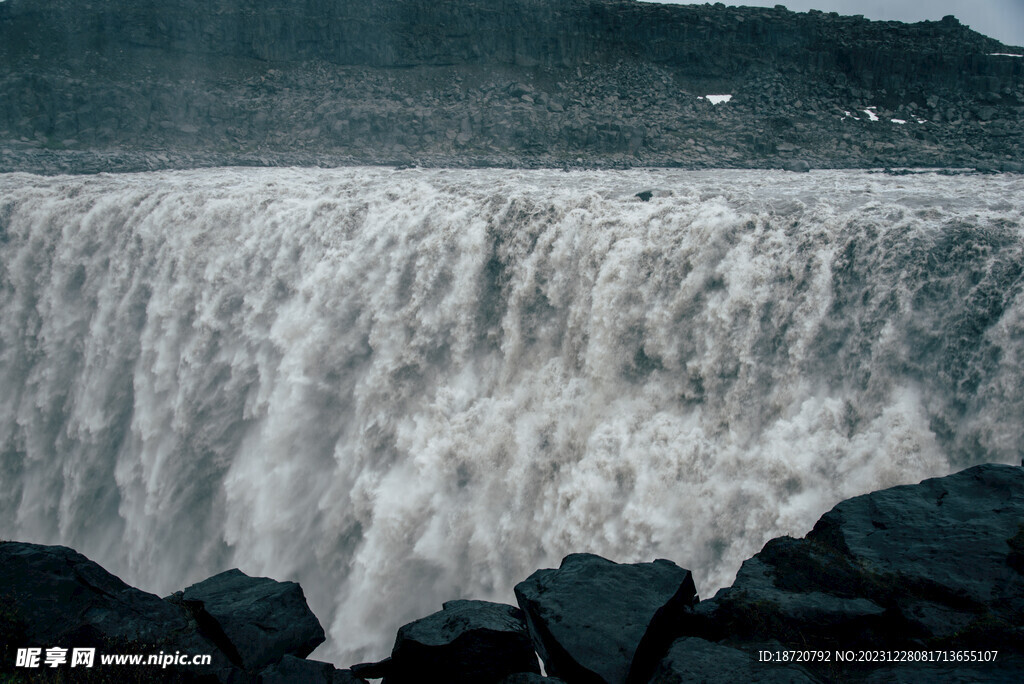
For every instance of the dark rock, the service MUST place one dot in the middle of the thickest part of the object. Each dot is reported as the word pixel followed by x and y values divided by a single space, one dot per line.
pixel 54 596
pixel 292 670
pixel 932 565
pixel 692 659
pixel 797 166
pixel 925 534
pixel 986 113
pixel 589 617
pixel 377 670
pixel 1003 671
pixel 262 619
pixel 645 195
pixel 466 641
pixel 793 584
pixel 64 595
pixel 937 566
pixel 530 678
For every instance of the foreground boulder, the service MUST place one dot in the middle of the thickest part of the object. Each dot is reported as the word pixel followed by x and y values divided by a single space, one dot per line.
pixel 933 566
pixel 53 596
pixel 256 620
pixel 693 659
pixel 530 678
pixel 589 617
pixel 467 641
pixel 292 670
pixel 64 597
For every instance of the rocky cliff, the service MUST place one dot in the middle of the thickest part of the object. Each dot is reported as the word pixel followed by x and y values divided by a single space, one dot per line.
pixel 118 84
pixel 917 583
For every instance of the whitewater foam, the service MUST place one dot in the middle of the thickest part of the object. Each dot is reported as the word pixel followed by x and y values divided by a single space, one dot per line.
pixel 403 387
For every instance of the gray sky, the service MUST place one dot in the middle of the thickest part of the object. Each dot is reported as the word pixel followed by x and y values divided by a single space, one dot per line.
pixel 1000 19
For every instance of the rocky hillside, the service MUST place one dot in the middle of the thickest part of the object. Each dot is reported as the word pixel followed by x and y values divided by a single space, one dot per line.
pixel 919 583
pixel 496 82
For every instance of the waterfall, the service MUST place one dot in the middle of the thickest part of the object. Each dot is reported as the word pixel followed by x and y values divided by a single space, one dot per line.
pixel 399 387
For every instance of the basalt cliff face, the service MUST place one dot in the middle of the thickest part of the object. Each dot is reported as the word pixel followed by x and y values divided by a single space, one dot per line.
pixel 496 82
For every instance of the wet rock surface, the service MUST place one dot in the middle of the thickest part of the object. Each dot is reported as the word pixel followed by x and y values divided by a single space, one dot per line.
pixel 917 583
pixel 292 670
pixel 54 597
pixel 692 659
pixel 69 597
pixel 911 569
pixel 589 617
pixel 530 678
pixel 261 619
pixel 88 86
pixel 467 641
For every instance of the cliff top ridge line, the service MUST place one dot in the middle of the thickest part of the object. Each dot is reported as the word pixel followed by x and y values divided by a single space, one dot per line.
pixel 405 33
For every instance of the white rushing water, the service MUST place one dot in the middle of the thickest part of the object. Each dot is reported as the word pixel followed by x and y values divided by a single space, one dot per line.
pixel 402 387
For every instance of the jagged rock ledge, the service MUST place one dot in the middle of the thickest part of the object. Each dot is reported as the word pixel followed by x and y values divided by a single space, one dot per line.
pixel 915 583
